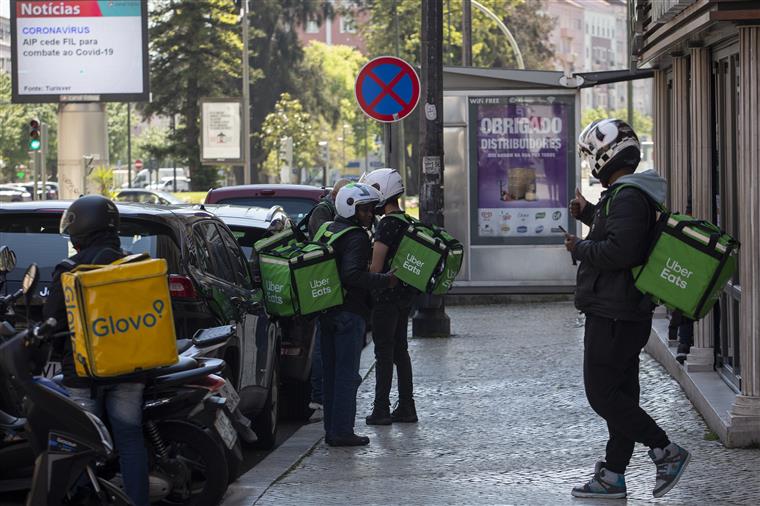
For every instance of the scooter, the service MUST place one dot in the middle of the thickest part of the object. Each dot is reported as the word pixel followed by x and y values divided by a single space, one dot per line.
pixel 67 440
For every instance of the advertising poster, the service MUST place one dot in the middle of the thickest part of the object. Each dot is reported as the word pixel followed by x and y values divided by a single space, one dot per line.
pixel 94 49
pixel 523 163
pixel 221 126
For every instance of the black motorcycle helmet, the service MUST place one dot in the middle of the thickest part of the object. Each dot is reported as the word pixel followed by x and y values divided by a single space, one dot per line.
pixel 89 215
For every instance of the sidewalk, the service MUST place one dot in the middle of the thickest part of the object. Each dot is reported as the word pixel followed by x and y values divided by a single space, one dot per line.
pixel 504 420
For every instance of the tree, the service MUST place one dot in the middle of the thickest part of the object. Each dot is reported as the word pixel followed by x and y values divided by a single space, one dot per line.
pixel 394 28
pixel 642 124
pixel 14 131
pixel 152 143
pixel 195 52
pixel 288 120
pixel 277 62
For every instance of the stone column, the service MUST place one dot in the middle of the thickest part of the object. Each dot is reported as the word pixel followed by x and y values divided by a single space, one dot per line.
pixel 661 133
pixel 701 356
pixel 745 414
pixel 679 135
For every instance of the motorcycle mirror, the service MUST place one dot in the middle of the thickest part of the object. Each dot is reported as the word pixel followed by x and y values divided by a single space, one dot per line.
pixel 31 278
pixel 7 259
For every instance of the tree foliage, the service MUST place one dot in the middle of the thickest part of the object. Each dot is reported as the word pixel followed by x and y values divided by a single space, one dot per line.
pixel 642 124
pixel 14 132
pixel 195 49
pixel 289 120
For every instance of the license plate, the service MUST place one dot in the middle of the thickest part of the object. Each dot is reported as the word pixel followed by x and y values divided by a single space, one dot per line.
pixel 225 429
pixel 229 393
pixel 51 370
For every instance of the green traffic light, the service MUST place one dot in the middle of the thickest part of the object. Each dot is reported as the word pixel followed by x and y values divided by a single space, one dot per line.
pixel 35 144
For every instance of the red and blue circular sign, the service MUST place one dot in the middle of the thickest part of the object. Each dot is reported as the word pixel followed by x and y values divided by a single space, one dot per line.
pixel 387 89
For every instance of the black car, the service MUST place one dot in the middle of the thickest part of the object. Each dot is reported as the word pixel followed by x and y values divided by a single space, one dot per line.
pixel 296 334
pixel 210 285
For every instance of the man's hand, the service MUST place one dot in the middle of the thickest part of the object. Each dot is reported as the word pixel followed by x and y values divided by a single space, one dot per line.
pixel 570 242
pixel 577 205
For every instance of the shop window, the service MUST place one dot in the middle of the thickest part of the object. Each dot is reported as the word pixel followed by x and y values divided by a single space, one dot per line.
pixel 726 211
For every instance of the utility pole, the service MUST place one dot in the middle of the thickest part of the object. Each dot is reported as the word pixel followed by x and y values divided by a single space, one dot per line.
pixel 247 167
pixel 129 145
pixel 431 319
pixel 631 61
pixel 466 33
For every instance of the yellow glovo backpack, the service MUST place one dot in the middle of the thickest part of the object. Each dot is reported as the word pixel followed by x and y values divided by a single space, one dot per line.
pixel 121 316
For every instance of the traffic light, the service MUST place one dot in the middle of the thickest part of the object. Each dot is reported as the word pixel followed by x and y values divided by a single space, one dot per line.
pixel 286 151
pixel 35 135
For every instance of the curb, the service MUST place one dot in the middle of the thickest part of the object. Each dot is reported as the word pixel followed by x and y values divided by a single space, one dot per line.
pixel 251 486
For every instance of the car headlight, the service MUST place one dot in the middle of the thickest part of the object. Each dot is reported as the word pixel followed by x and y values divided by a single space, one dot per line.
pixel 105 436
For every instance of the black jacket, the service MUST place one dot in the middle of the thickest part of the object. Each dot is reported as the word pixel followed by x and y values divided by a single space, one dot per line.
pixel 617 242
pixel 322 212
pixel 353 252
pixel 102 249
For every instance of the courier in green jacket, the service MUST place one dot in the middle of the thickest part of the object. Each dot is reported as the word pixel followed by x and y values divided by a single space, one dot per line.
pixel 618 316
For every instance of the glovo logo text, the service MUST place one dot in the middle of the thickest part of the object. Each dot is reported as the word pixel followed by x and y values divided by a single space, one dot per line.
pixel 413 264
pixel 111 325
pixel 320 287
pixel 71 305
pixel 676 274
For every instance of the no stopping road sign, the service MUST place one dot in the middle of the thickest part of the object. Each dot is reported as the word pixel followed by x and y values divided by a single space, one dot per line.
pixel 387 89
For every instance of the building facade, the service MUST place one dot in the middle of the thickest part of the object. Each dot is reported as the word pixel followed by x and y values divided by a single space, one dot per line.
pixel 706 95
pixel 342 29
pixel 5 45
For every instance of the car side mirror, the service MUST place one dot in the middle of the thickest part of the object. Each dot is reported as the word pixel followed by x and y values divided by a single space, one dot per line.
pixel 7 259
pixel 29 282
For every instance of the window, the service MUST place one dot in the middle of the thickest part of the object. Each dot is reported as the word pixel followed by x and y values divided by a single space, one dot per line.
pixel 239 264
pixel 312 26
pixel 213 252
pixel 347 24
pixel 295 207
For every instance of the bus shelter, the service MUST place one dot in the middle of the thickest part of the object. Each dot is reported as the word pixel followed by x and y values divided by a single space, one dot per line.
pixel 511 169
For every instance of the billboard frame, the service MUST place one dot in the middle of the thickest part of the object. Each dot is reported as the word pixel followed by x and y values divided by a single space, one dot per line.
pixel 81 97
pixel 222 161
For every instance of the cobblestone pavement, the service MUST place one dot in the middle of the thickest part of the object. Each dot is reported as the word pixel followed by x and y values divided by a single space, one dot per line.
pixel 504 420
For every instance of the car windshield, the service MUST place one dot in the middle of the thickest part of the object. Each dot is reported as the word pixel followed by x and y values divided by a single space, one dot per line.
pixel 295 207
pixel 35 238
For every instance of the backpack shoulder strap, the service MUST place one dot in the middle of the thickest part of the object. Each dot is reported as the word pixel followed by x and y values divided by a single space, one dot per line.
pixel 322 232
pixel 658 206
pixel 337 235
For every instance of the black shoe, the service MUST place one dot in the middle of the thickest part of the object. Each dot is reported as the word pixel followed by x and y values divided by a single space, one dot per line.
pixel 405 412
pixel 350 440
pixel 682 352
pixel 381 415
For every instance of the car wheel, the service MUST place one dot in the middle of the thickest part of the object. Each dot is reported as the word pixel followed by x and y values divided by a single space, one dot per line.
pixel 266 422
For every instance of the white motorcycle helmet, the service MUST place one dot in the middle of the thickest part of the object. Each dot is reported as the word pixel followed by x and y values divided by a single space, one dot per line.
pixel 387 181
pixel 608 145
pixel 352 195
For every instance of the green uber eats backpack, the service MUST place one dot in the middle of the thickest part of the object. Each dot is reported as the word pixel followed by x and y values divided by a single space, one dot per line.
pixel 689 262
pixel 299 277
pixel 428 258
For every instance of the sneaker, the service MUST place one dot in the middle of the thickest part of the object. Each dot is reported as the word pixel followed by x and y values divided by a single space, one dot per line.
pixel 671 462
pixel 604 485
pixel 682 352
pixel 405 412
pixel 349 440
pixel 379 416
pixel 318 413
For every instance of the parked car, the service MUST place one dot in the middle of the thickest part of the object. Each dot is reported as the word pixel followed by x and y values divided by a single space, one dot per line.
pixel 50 188
pixel 209 281
pixel 11 193
pixel 296 334
pixel 296 199
pixel 167 184
pixel 143 196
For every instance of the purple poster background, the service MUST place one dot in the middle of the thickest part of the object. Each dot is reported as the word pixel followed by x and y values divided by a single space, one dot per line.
pixel 522 152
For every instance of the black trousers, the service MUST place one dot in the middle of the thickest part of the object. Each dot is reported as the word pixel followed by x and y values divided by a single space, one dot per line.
pixel 389 323
pixel 611 376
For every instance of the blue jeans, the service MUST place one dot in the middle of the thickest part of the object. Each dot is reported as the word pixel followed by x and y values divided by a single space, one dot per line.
pixel 123 404
pixel 342 342
pixel 316 368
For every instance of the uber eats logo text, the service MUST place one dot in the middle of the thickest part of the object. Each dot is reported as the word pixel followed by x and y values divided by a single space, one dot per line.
pixel 413 264
pixel 320 287
pixel 675 273
pixel 273 291
pixel 111 325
